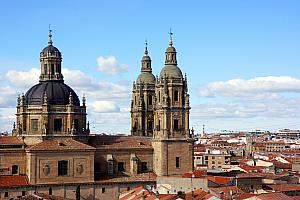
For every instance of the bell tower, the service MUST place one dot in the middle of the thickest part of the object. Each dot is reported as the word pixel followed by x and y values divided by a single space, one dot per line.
pixel 50 59
pixel 172 141
pixel 143 99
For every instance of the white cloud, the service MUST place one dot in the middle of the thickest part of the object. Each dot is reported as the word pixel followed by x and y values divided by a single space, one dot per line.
pixel 258 85
pixel 23 78
pixel 104 107
pixel 8 96
pixel 110 65
pixel 107 102
pixel 76 78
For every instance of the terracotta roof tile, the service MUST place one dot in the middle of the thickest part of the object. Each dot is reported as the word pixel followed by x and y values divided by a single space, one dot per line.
pixel 13 180
pixel 196 173
pixel 246 195
pixel 59 145
pixel 285 187
pixel 141 177
pixel 249 175
pixel 108 142
pixel 198 194
pixel 273 196
pixel 226 191
pixel 39 196
pixel 10 140
pixel 221 180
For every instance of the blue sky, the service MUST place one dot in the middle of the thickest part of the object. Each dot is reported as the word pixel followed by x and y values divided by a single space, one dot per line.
pixel 216 41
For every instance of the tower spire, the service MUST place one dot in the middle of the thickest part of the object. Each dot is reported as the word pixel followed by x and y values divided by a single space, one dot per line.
pixel 146 47
pixel 146 61
pixel 171 39
pixel 50 36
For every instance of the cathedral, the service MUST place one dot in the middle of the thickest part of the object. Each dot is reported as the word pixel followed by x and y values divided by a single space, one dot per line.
pixel 51 150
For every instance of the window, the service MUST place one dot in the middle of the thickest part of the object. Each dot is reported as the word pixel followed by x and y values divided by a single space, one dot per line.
pixel 177 162
pixel 57 124
pixel 213 162
pixel 128 188
pixel 23 193
pixel 144 166
pixel 150 125
pixel 121 166
pixel 176 126
pixel 50 191
pixel 150 100
pixel 52 68
pixel 15 169
pixel 62 168
pixel 158 96
pixel 34 124
pixel 176 95
pixel 158 125
pixel 103 190
pixel 45 68
pixel 76 123
pixel 6 194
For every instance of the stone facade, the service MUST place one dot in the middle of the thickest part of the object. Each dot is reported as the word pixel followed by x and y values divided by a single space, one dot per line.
pixel 52 149
pixel 160 109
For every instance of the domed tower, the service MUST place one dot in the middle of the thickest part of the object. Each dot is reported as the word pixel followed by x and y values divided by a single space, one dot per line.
pixel 50 108
pixel 172 142
pixel 143 100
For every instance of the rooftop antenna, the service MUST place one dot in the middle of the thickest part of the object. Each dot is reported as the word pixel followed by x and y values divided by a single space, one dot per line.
pixel 203 129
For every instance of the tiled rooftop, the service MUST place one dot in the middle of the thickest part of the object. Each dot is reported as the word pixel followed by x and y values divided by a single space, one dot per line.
pixel 122 178
pixel 13 181
pixel 10 140
pixel 285 187
pixel 108 142
pixel 273 196
pixel 59 145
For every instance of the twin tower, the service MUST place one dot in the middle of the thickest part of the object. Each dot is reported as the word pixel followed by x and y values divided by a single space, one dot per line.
pixel 160 105
pixel 160 110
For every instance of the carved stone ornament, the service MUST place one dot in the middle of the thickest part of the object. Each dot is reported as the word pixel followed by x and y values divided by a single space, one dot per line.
pixel 79 169
pixel 46 170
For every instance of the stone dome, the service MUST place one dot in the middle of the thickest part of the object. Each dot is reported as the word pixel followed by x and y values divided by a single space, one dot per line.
pixel 171 49
pixel 57 94
pixel 146 77
pixel 171 71
pixel 51 50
